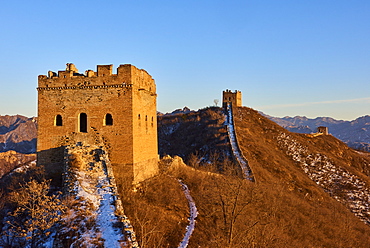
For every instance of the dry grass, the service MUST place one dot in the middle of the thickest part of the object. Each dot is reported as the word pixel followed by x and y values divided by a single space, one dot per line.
pixel 158 211
pixel 284 208
pixel 304 211
pixel 236 213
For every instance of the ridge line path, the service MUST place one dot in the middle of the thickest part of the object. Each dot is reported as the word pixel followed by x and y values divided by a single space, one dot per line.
pixel 93 183
pixel 193 214
pixel 247 172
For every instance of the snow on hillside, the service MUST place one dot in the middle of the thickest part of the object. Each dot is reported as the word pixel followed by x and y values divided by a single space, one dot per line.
pixel 235 147
pixel 193 214
pixel 90 181
pixel 16 166
pixel 355 133
pixel 342 185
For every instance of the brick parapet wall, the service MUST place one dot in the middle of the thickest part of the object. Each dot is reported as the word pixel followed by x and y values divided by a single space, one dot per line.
pixel 89 155
pixel 127 76
pixel 129 98
pixel 249 174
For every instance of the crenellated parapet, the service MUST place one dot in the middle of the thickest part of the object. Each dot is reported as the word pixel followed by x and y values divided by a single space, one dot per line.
pixel 235 98
pixel 127 76
pixel 119 108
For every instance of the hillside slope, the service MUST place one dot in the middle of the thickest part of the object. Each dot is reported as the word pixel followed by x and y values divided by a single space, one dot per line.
pixel 304 191
pixel 199 137
pixel 10 160
pixel 273 163
pixel 285 207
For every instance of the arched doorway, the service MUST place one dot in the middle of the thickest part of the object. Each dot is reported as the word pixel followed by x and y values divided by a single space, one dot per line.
pixel 108 121
pixel 82 123
pixel 58 120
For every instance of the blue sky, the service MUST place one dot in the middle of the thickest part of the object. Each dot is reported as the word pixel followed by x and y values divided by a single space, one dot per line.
pixel 288 58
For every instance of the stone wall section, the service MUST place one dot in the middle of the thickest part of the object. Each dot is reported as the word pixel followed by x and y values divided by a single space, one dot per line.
pixel 233 97
pixel 93 162
pixel 238 155
pixel 128 97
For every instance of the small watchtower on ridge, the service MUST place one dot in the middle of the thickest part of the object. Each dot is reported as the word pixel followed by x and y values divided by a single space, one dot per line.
pixel 115 110
pixel 323 130
pixel 235 98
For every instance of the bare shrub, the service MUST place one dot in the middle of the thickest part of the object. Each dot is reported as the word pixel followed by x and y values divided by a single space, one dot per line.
pixel 36 211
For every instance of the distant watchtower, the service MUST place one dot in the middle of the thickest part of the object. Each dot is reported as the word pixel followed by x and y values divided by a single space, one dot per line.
pixel 235 98
pixel 115 110
pixel 323 130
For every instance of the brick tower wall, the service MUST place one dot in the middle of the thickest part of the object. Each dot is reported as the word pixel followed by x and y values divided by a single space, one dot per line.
pixel 235 98
pixel 132 143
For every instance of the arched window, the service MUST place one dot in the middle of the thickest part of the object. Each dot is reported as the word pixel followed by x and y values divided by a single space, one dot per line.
pixel 83 123
pixel 108 120
pixel 58 120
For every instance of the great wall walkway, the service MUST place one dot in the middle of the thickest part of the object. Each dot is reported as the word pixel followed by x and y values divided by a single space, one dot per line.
pixel 237 153
pixel 102 191
pixel 240 159
pixel 88 178
pixel 193 214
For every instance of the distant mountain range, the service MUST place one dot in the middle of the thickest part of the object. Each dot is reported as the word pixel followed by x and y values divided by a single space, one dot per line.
pixel 355 134
pixel 18 133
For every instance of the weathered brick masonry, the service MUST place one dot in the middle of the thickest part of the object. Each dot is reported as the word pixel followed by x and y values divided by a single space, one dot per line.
pixel 118 110
pixel 235 98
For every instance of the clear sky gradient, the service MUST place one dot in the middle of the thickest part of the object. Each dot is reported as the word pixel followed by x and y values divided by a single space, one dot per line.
pixel 288 58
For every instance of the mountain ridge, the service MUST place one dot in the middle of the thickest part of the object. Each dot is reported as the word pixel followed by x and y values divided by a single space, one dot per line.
pixel 284 207
pixel 18 133
pixel 297 183
pixel 355 133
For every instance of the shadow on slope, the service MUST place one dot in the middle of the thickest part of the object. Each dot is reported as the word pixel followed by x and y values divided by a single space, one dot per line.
pixel 284 208
pixel 199 137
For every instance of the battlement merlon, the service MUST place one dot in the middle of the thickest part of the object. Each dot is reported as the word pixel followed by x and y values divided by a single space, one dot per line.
pixel 230 91
pixel 126 74
pixel 233 97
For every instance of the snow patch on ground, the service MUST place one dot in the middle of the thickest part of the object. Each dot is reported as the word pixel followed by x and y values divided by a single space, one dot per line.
pixel 22 169
pixel 343 186
pixel 193 214
pixel 25 167
pixel 90 181
pixel 247 173
pixel 170 129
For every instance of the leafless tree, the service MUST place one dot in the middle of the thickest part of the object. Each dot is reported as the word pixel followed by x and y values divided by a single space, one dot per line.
pixel 36 211
pixel 233 201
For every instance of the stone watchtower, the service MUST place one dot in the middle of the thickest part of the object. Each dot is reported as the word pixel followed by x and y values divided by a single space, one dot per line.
pixel 323 130
pixel 117 110
pixel 235 98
